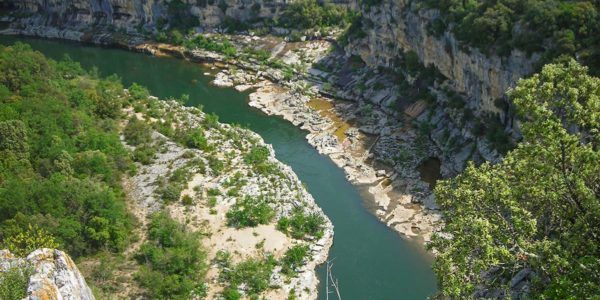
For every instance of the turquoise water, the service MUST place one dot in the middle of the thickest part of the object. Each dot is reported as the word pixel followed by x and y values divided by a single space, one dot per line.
pixel 371 261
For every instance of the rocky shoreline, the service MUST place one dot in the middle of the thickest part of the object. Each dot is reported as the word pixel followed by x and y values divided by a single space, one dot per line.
pixel 401 199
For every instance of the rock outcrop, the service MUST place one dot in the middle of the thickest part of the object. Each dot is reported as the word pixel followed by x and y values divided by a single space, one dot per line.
pixel 55 275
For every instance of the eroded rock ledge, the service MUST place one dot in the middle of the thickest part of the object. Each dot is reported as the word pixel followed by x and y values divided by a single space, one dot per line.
pixel 55 275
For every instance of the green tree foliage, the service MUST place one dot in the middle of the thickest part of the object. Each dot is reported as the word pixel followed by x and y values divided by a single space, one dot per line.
pixel 60 153
pixel 540 208
pixel 23 243
pixel 308 14
pixel 138 92
pixel 173 262
pixel 554 27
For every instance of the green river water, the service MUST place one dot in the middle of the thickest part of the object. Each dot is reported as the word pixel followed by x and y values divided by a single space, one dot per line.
pixel 371 261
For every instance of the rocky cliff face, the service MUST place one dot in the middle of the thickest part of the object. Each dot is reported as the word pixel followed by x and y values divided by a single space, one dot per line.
pixel 392 27
pixel 55 275
pixel 397 26
pixel 136 14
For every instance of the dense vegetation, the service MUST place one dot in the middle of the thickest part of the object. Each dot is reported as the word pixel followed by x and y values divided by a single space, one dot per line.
pixel 60 154
pixel 173 263
pixel 309 14
pixel 554 27
pixel 14 282
pixel 536 214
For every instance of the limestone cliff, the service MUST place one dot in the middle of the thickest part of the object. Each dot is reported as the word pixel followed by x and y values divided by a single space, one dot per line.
pixel 55 275
pixel 397 26
pixel 136 14
pixel 391 28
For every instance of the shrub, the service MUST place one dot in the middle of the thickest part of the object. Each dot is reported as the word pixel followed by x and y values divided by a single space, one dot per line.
pixel 187 200
pixel 195 139
pixel 301 226
pixel 250 212
pixel 308 14
pixel 144 154
pixel 61 162
pixel 170 192
pixel 27 241
pixel 138 92
pixel 215 164
pixel 14 282
pixel 257 155
pixel 212 44
pixel 293 258
pixel 211 120
pixel 253 273
pixel 173 260
pixel 137 132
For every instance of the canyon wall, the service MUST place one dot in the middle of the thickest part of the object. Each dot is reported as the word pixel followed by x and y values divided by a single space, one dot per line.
pixel 396 26
pixel 136 14
pixel 391 26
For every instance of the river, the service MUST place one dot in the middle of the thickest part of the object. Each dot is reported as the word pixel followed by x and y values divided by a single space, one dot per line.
pixel 370 260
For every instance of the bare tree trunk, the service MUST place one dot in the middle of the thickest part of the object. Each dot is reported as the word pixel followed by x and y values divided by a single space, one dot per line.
pixel 334 282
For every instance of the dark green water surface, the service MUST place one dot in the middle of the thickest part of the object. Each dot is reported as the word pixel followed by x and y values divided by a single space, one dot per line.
pixel 371 261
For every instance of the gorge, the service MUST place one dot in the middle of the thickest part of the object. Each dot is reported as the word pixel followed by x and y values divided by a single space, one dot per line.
pixel 396 93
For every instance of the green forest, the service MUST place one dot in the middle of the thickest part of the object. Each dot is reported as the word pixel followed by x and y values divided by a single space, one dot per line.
pixel 554 28
pixel 62 159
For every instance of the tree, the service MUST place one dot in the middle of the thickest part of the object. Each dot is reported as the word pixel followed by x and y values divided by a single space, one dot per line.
pixel 13 137
pixel 538 212
pixel 27 241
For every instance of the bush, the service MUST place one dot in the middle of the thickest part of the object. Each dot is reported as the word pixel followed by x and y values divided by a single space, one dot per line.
pixel 144 154
pixel 137 132
pixel 173 260
pixel 215 164
pixel 211 120
pixel 170 193
pixel 25 242
pixel 293 258
pixel 250 212
pixel 301 226
pixel 222 46
pixel 257 155
pixel 195 139
pixel 138 92
pixel 61 162
pixel 254 274
pixel 14 282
